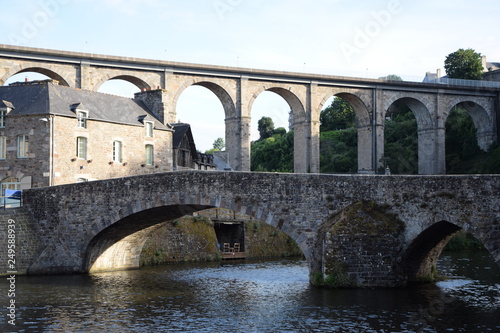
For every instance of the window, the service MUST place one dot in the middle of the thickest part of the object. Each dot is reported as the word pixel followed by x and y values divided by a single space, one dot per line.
pixel 22 146
pixel 117 151
pixel 149 154
pixel 81 147
pixel 3 147
pixel 82 119
pixel 2 118
pixel 149 129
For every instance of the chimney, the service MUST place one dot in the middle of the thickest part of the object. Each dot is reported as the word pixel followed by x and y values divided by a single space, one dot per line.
pixel 156 102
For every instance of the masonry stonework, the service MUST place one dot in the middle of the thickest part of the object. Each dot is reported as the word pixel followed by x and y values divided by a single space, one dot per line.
pixel 99 163
pixel 237 88
pixel 401 223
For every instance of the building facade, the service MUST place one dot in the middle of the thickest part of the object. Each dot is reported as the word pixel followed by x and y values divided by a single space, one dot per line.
pixel 52 135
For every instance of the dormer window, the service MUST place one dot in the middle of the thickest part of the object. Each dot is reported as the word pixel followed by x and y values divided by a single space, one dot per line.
pixel 81 114
pixel 5 108
pixel 82 118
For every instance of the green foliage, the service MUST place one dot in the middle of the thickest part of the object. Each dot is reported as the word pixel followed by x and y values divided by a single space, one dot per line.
pixel 337 277
pixel 391 77
pixel 338 151
pixel 463 155
pixel 266 128
pixel 401 142
pixel 463 241
pixel 491 161
pixel 273 154
pixel 338 147
pixel 338 138
pixel 464 64
pixel 219 144
pixel 339 115
pixel 280 131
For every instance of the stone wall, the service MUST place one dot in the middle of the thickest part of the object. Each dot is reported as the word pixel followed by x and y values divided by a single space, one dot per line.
pixel 194 239
pixel 99 163
pixel 81 220
pixel 362 238
pixel 37 163
pixel 27 243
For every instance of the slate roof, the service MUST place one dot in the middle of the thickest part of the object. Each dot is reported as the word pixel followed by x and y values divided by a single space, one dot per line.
pixel 46 97
pixel 181 130
pixel 493 66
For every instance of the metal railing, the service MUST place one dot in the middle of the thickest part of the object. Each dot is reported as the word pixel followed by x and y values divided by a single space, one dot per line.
pixel 468 83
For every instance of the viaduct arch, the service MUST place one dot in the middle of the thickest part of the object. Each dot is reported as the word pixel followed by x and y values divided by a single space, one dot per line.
pixel 370 230
pixel 237 88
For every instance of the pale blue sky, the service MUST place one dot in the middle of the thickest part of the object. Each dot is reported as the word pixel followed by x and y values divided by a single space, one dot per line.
pixel 339 37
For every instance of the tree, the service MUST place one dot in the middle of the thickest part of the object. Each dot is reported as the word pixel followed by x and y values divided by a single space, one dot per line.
pixel 273 154
pixel 401 141
pixel 339 115
pixel 391 77
pixel 462 150
pixel 219 144
pixel 266 128
pixel 464 64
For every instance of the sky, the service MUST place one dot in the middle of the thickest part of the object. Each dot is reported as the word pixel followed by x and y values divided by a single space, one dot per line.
pixel 334 37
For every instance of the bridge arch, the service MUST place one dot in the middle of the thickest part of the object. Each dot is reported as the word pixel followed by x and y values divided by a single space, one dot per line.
pixel 219 89
pixel 363 123
pixel 117 245
pixel 287 93
pixel 37 68
pixel 300 121
pixel 426 130
pixel 482 118
pixel 420 259
pixel 421 256
pixel 357 101
pixel 138 82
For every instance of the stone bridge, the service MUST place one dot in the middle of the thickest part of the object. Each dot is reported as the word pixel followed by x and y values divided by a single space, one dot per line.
pixel 237 88
pixel 354 230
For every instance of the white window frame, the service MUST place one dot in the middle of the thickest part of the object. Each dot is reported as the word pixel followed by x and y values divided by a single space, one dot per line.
pixel 81 147
pixel 3 147
pixel 3 113
pixel 82 117
pixel 117 151
pixel 149 128
pixel 149 152
pixel 23 143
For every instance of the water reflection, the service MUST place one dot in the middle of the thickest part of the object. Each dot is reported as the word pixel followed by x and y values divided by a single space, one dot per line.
pixel 271 296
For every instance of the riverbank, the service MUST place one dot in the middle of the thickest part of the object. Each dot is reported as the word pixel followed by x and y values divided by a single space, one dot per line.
pixel 194 239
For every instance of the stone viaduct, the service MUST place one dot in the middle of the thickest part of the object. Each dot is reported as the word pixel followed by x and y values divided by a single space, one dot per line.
pixel 306 94
pixel 354 230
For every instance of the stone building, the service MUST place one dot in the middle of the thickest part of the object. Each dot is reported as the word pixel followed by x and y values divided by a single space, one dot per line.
pixel 51 135
pixel 185 155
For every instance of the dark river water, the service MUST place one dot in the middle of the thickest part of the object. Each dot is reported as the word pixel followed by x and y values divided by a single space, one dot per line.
pixel 255 296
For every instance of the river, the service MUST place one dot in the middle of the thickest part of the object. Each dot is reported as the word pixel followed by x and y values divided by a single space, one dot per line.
pixel 255 296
